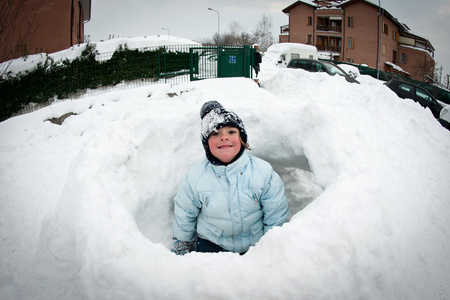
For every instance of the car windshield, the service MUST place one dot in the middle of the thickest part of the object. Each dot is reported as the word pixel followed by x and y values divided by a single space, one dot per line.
pixel 334 69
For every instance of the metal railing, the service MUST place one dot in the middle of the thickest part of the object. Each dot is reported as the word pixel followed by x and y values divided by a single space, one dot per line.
pixel 329 48
pixel 329 28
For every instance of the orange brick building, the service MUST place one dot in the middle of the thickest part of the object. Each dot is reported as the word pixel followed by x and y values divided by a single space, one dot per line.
pixel 42 26
pixel 351 31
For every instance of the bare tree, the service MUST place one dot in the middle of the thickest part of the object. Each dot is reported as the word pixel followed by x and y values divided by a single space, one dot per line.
pixel 263 33
pixel 446 81
pixel 236 36
pixel 425 70
pixel 17 20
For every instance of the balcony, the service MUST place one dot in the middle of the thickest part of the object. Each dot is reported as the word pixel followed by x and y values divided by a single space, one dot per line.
pixel 329 28
pixel 329 48
pixel 284 29
pixel 331 24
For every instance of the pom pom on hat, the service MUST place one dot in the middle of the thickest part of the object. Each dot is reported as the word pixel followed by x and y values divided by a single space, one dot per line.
pixel 208 106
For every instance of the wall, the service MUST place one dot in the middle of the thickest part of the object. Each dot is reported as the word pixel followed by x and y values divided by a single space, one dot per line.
pixel 53 28
pixel 414 57
pixel 364 33
pixel 298 30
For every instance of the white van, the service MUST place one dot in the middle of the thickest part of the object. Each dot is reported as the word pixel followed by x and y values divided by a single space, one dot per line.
pixel 281 54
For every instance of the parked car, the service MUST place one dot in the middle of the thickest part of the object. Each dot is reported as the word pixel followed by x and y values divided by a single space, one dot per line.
pixel 408 90
pixel 313 65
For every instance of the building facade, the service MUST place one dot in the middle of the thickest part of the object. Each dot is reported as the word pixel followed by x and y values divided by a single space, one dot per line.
pixel 38 26
pixel 352 31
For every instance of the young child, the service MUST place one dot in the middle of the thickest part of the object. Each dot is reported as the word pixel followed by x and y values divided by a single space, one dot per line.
pixel 231 199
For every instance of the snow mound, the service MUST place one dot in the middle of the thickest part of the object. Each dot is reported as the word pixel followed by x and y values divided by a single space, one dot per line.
pixel 365 173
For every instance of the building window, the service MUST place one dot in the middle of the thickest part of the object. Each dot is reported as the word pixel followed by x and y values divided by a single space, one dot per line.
pixel 349 60
pixel 309 39
pixel 308 21
pixel 394 56
pixel 403 58
pixel 350 43
pixel 350 22
pixel 395 35
pixel 383 49
pixel 385 28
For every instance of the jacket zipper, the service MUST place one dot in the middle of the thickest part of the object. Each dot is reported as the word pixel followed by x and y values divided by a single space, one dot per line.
pixel 256 199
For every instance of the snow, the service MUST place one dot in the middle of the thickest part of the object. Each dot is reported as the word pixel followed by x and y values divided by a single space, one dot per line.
pixel 279 55
pixel 396 67
pixel 429 52
pixel 287 47
pixel 328 55
pixel 352 70
pixel 22 64
pixel 86 207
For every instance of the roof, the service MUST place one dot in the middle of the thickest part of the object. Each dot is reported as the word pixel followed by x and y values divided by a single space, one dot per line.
pixel 419 38
pixel 86 6
pixel 296 3
pixel 383 11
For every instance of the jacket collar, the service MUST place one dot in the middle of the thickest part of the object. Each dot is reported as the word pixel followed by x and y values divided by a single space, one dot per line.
pixel 234 167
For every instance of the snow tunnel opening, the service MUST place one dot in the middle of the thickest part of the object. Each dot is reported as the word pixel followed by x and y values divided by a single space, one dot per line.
pixel 299 184
pixel 155 219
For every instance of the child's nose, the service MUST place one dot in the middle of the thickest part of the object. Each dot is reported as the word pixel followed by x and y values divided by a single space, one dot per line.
pixel 224 136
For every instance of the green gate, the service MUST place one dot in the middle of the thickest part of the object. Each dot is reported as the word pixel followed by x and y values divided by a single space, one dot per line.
pixel 226 61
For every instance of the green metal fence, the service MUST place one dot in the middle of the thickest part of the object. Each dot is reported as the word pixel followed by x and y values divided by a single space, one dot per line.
pixel 226 61
pixel 123 69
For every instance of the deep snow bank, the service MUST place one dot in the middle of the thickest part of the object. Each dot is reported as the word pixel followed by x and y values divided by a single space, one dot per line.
pixel 378 230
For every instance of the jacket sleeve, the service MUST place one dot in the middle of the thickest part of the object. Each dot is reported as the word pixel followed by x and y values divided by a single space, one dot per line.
pixel 274 203
pixel 186 209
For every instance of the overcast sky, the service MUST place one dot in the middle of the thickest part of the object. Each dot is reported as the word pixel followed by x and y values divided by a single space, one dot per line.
pixel 193 20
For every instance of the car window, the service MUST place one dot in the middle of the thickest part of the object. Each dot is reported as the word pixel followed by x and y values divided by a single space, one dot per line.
pixel 334 69
pixel 406 88
pixel 423 95
pixel 293 63
pixel 302 64
pixel 316 67
pixel 306 64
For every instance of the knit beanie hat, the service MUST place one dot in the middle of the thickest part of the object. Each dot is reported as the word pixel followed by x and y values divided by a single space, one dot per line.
pixel 213 117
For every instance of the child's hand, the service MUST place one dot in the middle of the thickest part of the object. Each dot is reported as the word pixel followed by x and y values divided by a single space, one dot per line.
pixel 182 247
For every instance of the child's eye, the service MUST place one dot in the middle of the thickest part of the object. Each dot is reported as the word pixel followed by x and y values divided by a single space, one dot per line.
pixel 232 132
pixel 214 133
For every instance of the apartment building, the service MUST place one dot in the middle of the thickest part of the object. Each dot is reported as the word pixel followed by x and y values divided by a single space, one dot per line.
pixel 41 26
pixel 352 31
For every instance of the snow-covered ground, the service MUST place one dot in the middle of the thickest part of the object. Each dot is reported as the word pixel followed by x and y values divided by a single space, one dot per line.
pixel 86 207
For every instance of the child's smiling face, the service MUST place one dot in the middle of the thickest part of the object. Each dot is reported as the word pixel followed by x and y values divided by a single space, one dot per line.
pixel 225 143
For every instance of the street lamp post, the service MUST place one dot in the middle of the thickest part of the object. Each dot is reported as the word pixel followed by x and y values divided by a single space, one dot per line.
pixel 218 25
pixel 168 32
pixel 379 39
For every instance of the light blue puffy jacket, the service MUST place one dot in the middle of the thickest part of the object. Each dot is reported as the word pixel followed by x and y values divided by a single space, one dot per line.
pixel 231 206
